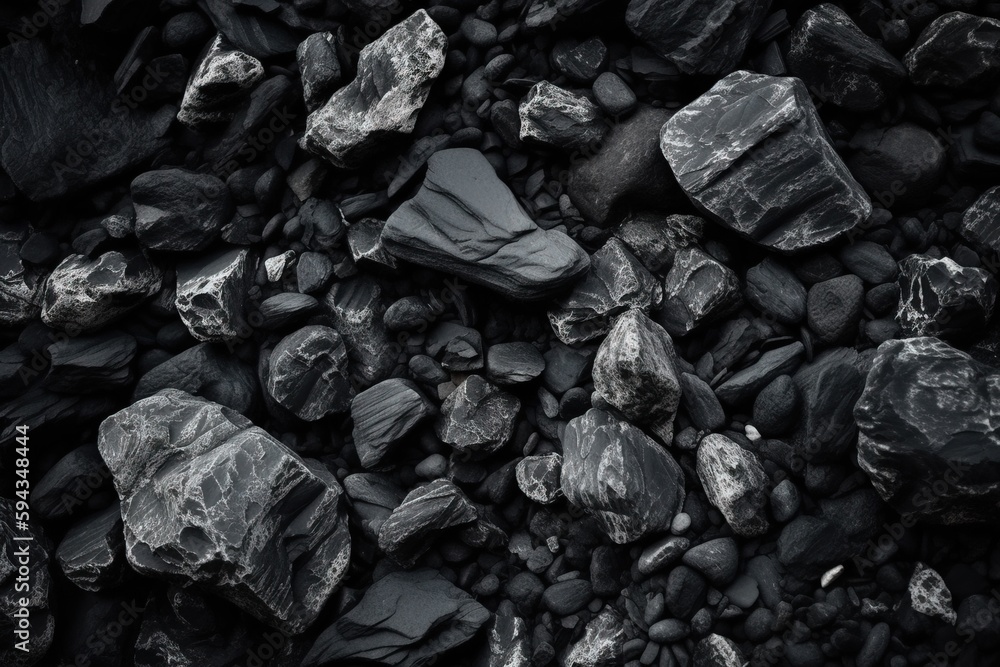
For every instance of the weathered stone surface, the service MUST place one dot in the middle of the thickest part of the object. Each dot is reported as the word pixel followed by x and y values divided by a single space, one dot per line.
pixel 631 485
pixel 928 414
pixel 981 222
pixel 403 620
pixel 356 308
pixel 384 415
pixel 736 483
pixel 655 239
pixel 212 293
pixel 92 554
pixel 84 294
pixel 395 73
pixel 38 637
pixel 957 51
pixel 929 595
pixel 557 117
pixel 840 63
pixel 717 651
pixel 222 78
pixel 538 477
pixel 90 363
pixel 320 68
pixel 513 363
pixel 602 644
pixel 179 210
pixel 478 418
pixel 205 370
pixel 773 289
pixel 939 297
pixel 373 498
pixel 698 38
pixel 308 373
pixel 508 641
pixel 466 221
pixel 834 308
pixel 697 291
pixel 209 498
pixel 20 292
pixel 617 282
pixel 753 153
pixel 635 370
pixel 364 238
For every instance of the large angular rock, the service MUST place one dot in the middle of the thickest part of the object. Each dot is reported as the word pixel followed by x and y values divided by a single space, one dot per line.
pixel 205 370
pixel 736 483
pixel 384 415
pixel 635 370
pixel 308 373
pixel 753 153
pixel 404 619
pixel 356 309
pixel 698 290
pixel 179 210
pixel 222 78
pixel 939 297
pixel 840 63
pixel 697 37
pixel 957 51
pixel 465 221
pixel 320 68
pixel 508 641
pixel 209 498
pixel 478 418
pixel 212 293
pixel 928 431
pixel 395 73
pixel 631 484
pixel 617 282
pixel 556 117
pixel 84 294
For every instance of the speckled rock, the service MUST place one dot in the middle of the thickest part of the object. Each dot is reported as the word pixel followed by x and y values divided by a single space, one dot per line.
pixel 212 293
pixel 538 477
pixel 956 51
pixel 556 117
pixel 929 595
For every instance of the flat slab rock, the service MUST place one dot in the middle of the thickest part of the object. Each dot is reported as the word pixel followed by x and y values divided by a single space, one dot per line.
pixel 211 499
pixel 466 221
pixel 929 422
pixel 754 155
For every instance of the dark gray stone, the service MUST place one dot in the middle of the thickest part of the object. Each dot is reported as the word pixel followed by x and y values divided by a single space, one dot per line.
pixel 697 291
pixel 308 373
pixel 212 294
pixel 981 222
pixel 773 289
pixel 538 477
pixel 20 292
pixel 735 482
pixel 900 166
pixel 744 385
pixel 513 363
pixel 939 297
pixel 567 597
pixel 478 418
pixel 92 554
pixel 602 643
pixel 829 386
pixel 373 498
pixel 204 370
pixel 508 641
pixel 776 408
pixel 613 95
pixel 320 68
pixel 717 559
pixel 956 51
pixel 384 415
pixel 701 403
pixel 869 261
pixel 556 117
pixel 222 79
pixel 70 485
pixel 655 239
pixel 834 308
pixel 356 309
pixel 91 363
pixel 717 651
pixel 179 210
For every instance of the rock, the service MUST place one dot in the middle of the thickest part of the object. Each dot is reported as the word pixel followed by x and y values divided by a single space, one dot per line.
pixel 697 38
pixel 92 554
pixel 635 371
pixel 602 643
pixel 404 620
pixel 24 554
pixel 255 32
pixel 509 643
pixel 617 282
pixel 223 78
pixel 550 13
pixel 661 553
pixel 627 174
pixel 566 367
pixel 323 224
pixel 71 484
pixel 717 559
pixel 373 498
pixel 308 373
pixel 875 645
pixel 567 597
pixel 938 297
pixel 556 117
pixel 356 309
pixel 925 420
pixel 929 595
pixel 204 370
pixel 776 408
pixel 899 166
pixel 85 294
pixel 284 310
pixel 981 222
pixel 385 415
pixel 809 545
pixel 320 68
pixel 772 125
pixel 834 308
pixel 460 349
pixel 395 73
pixel 829 387
pixel 20 292
pixel 655 239
pixel 717 651
pixel 538 477
pixel 701 403
pixel 364 238
pixel 478 418
pixel 212 293
pixel 513 363
pixel 582 62
pixel 313 272
pixel 685 592
pixel 773 289
pixel 746 384
pixel 736 483
pixel 785 501
pixel 91 363
pixel 465 221
pixel 613 95
pixel 840 63
pixel 697 291
pixel 179 210
pixel 73 117
pixel 956 51
pixel 631 485
pixel 209 498
pixel 869 261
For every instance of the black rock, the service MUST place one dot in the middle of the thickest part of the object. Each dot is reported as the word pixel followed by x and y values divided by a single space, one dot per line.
pixel 774 290
pixel 538 477
pixel 509 644
pixel 212 293
pixel 308 373
pixel 75 482
pixel 655 239
pixel 20 293
pixel 222 78
pixel 91 363
pixel 556 117
pixel 320 68
pixel 938 297
pixel 257 33
pixel 956 51
pixel 179 210
pixel 746 384
pixel 581 62
pixel 478 418
pixel 776 408
pixel 981 222
pixel 356 308
pixel 466 221
pixel 602 643
pixel 285 309
pixel 685 592
pixel 717 651
pixel 313 272
pixel 513 363
pixel 92 554
pixel 698 290
pixel 550 13
pixel 458 348
pixel 384 415
pixel 869 261
pixel 567 597
pixel 731 147
pixel 701 403
pixel 735 482
pixel 364 239
pixel 613 95
pixel 829 386
pixel 717 559
pixel 373 498
pixel 809 545
pixel 899 166
pixel 834 308
pixel 204 370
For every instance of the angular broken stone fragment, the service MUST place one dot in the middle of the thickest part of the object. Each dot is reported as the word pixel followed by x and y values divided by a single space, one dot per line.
pixel 384 415
pixel 556 117
pixel 538 477
pixel 179 210
pixel 602 643
pixel 320 68
pixel 356 309
pixel 655 239
pixel 212 293
pixel 308 373
pixel 629 482
pixel 841 64
pixel 20 293
pixel 735 482
pixel 373 498
pixel 404 619
pixel 395 73
pixel 364 238
pixel 717 651
pixel 211 499
pixel 617 282
pixel 508 641
pixel 90 363
pixel 981 222
pixel 84 294
pixel 513 363
pixel 92 554
pixel 698 290
pixel 478 418
pixel 956 51
pixel 834 308
pixel 223 77
pixel 939 297
pixel 466 221
pixel 635 370
pixel 205 370
pixel 929 595
pixel 753 153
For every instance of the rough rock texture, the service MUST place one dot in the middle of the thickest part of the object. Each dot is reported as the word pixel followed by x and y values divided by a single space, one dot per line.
pixel 602 642
pixel 939 297
pixel 698 38
pixel 356 309
pixel 616 282
pixel 179 210
pixel 736 483
pixel 20 293
pixel 841 64
pixel 223 77
pixel 403 620
pixel 538 477
pixel 753 153
pixel 92 554
pixel 373 498
pixel 631 485
pixel 773 289
pixel 209 498
pixel 205 370
pixel 635 370
pixel 308 373
pixel 928 431
pixel 501 247
pixel 384 415
pixel 84 294
pixel 508 642
pixel 717 651
pixel 655 239
pixel 834 308
pixel 478 418
pixel 929 595
pixel 211 294
pixel 698 289
pixel 557 117
pixel 956 51
pixel 395 73
pixel 981 222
